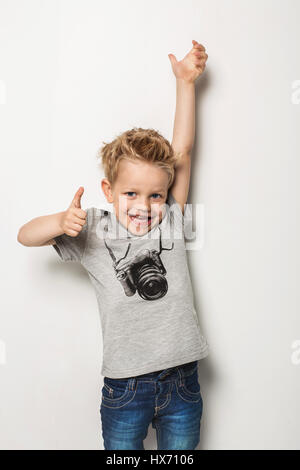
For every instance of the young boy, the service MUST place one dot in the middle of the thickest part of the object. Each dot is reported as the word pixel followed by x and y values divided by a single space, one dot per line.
pixel 135 257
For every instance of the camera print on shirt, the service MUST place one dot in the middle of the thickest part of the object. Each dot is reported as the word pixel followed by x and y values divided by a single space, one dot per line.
pixel 144 272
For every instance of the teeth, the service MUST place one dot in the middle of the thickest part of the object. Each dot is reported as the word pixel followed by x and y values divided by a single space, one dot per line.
pixel 141 221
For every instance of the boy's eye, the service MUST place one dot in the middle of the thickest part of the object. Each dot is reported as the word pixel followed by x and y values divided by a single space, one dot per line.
pixel 130 193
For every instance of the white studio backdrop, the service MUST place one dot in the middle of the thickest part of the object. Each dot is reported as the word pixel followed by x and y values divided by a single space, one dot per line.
pixel 76 73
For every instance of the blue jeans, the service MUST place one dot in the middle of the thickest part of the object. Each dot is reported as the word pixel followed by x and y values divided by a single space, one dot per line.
pixel 169 399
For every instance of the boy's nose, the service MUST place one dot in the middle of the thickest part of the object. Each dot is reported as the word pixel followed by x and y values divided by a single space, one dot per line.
pixel 143 207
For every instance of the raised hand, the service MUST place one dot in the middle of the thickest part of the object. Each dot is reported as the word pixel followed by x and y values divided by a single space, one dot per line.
pixel 74 218
pixel 192 65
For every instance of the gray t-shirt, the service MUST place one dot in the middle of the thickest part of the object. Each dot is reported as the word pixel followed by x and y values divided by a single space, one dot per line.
pixel 143 290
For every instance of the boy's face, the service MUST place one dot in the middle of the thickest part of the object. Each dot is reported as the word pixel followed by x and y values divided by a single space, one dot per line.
pixel 141 189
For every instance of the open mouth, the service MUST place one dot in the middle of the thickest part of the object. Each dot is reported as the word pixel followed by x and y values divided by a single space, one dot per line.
pixel 141 221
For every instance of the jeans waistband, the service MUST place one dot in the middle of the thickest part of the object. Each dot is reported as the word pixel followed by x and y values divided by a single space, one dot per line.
pixel 171 373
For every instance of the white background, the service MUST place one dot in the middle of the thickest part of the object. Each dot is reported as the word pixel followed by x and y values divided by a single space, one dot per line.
pixel 76 73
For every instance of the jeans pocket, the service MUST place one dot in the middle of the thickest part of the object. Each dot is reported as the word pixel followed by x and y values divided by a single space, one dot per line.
pixel 116 392
pixel 189 388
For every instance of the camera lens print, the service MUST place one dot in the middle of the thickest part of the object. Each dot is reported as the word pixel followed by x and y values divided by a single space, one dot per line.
pixel 144 272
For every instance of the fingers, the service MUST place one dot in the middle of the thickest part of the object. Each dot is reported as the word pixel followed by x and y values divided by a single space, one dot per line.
pixel 78 213
pixel 200 63
pixel 74 218
pixel 200 54
pixel 77 198
pixel 74 227
pixel 72 233
pixel 198 46
pixel 78 220
pixel 74 221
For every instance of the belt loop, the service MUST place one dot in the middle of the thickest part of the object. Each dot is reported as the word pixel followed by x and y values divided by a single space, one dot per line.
pixel 180 377
pixel 132 383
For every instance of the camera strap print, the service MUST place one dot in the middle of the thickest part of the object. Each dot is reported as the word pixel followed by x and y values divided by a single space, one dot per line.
pixel 143 290
pixel 144 272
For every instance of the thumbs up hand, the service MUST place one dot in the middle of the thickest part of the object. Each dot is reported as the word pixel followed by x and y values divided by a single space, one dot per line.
pixel 74 218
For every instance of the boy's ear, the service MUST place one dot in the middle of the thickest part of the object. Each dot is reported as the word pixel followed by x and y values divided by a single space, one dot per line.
pixel 107 190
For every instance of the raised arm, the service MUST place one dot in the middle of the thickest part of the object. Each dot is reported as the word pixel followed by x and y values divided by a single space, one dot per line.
pixel 186 72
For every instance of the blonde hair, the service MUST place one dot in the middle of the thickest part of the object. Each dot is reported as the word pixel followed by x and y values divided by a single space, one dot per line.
pixel 138 144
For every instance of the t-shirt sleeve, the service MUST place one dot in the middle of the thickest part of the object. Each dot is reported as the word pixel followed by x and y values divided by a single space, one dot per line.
pixel 72 248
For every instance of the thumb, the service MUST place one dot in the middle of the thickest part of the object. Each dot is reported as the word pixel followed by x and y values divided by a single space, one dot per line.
pixel 77 198
pixel 173 59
